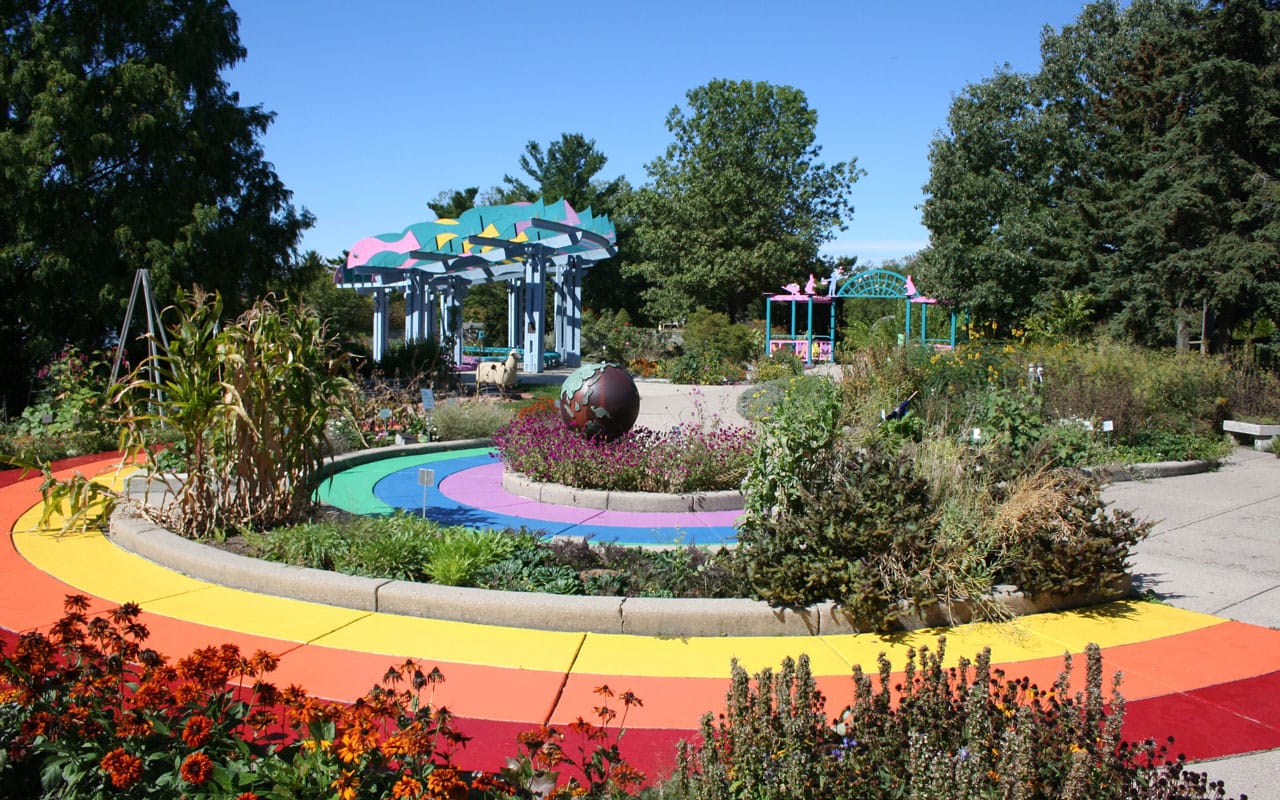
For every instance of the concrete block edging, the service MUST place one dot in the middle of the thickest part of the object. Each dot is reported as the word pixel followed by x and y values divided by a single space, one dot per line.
pixel 645 616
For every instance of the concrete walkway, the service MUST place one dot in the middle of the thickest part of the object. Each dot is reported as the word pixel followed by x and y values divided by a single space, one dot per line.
pixel 1215 549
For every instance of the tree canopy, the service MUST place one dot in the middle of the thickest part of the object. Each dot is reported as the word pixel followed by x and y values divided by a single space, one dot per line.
pixel 567 169
pixel 122 147
pixel 1137 170
pixel 739 203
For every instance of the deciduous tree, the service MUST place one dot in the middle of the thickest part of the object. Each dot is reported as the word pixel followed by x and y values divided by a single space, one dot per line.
pixel 739 203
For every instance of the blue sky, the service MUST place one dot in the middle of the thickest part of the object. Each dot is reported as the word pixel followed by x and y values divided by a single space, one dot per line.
pixel 383 104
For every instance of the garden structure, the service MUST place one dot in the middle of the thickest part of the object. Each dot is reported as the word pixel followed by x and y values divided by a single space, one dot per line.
pixel 810 345
pixel 525 245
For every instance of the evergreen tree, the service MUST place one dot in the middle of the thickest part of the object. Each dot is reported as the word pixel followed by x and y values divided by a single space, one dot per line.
pixel 122 148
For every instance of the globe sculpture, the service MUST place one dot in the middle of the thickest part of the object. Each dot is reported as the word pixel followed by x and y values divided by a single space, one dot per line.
pixel 600 400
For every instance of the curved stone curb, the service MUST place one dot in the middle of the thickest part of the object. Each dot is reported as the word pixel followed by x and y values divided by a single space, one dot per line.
pixel 642 616
pixel 358 457
pixel 559 494
pixel 1155 469
pixel 645 616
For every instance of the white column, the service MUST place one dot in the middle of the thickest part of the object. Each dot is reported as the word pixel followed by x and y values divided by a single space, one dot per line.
pixel 381 323
pixel 533 322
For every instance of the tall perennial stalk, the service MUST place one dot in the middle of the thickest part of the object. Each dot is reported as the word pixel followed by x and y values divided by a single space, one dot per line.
pixel 248 402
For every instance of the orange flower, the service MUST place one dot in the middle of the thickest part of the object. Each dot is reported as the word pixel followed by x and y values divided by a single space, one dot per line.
pixel 346 785
pixel 354 743
pixel 123 768
pixel 196 768
pixel 248 796
pixel 407 787
pixel 263 662
pixel 197 731
pixel 444 783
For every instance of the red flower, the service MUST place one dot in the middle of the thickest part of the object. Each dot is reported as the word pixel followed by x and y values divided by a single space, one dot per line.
pixel 123 768
pixel 196 768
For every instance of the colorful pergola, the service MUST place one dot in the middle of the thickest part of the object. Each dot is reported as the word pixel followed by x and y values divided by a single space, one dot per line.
pixel 526 245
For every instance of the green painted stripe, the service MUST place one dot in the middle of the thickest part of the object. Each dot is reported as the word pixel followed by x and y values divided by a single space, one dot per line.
pixel 352 489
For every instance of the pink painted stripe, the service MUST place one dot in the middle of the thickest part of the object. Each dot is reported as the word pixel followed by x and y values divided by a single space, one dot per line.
pixel 481 487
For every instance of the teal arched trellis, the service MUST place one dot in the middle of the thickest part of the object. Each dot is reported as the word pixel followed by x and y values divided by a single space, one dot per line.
pixel 888 285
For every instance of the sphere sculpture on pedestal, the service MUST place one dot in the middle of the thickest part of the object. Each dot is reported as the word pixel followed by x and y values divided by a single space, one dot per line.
pixel 599 400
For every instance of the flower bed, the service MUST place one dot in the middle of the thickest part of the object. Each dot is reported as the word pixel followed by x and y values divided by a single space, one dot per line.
pixel 539 445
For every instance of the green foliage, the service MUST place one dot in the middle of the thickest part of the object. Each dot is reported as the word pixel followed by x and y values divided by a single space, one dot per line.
pixel 457 556
pixel 123 148
pixel 404 547
pixel 469 420
pixel 415 364
pixel 567 169
pixel 847 536
pixel 250 400
pixel 939 733
pixel 1130 181
pixel 610 336
pixel 894 515
pixel 711 332
pixel 792 451
pixel 778 365
pixel 743 172
pixel 713 350
pixel 71 415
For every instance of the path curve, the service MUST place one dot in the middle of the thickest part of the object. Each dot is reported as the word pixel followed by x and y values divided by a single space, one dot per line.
pixel 1212 683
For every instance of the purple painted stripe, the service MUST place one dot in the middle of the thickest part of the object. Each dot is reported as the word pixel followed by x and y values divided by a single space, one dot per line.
pixel 481 487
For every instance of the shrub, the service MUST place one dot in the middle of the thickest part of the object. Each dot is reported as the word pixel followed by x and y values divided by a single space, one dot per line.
pixel 410 365
pixel 778 365
pixel 939 733
pixel 457 556
pixel 899 516
pixel 469 420
pixel 711 332
pixel 71 415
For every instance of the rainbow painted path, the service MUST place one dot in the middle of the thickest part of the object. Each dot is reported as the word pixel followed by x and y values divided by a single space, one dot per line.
pixel 1212 683
pixel 469 491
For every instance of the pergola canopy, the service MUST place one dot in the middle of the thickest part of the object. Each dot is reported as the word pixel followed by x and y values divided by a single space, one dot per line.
pixel 522 244
pixel 484 244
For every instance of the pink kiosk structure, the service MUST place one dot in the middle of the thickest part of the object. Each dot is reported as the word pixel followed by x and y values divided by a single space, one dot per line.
pixel 813 347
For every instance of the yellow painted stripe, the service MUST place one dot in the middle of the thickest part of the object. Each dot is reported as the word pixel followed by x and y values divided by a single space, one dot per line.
pixel 700 656
pixel 458 642
pixel 94 565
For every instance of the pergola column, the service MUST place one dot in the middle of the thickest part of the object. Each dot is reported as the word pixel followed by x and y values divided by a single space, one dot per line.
pixel 534 318
pixel 381 323
pixel 513 314
pixel 571 350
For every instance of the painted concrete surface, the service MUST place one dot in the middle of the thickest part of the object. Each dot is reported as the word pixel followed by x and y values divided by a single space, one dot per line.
pixel 1212 682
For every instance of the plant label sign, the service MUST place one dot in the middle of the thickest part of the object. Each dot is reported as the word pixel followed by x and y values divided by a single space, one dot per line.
pixel 428 400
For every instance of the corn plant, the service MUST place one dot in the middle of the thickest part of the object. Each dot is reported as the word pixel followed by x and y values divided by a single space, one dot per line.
pixel 249 400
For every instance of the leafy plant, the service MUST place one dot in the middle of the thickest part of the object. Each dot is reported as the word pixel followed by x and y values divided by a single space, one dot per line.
pixel 89 711
pixel 250 400
pixel 965 731
pixel 456 556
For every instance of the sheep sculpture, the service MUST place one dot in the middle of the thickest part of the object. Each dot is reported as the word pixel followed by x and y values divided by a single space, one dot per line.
pixel 502 375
